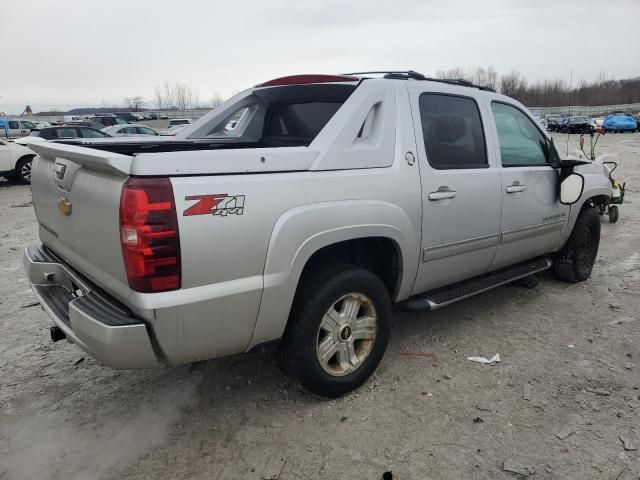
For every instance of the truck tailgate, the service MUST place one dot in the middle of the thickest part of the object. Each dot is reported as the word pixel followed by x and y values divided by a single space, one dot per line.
pixel 76 196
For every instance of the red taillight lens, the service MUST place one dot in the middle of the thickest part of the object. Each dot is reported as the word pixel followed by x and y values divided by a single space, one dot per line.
pixel 149 235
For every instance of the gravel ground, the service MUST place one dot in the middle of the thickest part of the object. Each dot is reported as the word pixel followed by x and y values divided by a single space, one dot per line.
pixel 569 369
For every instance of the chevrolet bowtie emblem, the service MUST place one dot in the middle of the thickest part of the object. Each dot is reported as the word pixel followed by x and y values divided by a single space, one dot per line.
pixel 64 206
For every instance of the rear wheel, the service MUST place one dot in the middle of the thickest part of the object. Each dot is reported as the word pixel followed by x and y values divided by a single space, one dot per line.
pixel 338 329
pixel 575 261
pixel 23 169
pixel 614 214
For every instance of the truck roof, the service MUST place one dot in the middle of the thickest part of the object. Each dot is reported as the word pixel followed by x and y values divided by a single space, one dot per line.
pixel 358 76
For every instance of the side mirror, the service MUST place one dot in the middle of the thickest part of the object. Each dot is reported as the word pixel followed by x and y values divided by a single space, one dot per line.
pixel 571 188
pixel 554 158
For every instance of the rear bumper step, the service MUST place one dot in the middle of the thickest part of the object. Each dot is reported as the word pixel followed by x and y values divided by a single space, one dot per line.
pixel 85 315
pixel 453 293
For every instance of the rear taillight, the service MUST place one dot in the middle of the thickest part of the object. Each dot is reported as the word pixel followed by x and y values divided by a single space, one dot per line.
pixel 149 235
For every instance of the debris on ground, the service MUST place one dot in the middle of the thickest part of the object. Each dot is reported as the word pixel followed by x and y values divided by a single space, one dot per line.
pixel 19 205
pixel 516 467
pixel 447 376
pixel 565 432
pixel 478 420
pixel 598 391
pixel 492 360
pixel 526 391
pixel 626 443
pixel 34 304
pixel 78 362
pixel 274 468
pixel 387 475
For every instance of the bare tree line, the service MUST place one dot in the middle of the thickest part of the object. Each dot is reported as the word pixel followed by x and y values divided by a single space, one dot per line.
pixel 552 92
pixel 176 96
pixel 541 93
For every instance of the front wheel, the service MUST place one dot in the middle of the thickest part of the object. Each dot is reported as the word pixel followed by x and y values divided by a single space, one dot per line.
pixel 338 329
pixel 575 261
pixel 23 169
pixel 614 213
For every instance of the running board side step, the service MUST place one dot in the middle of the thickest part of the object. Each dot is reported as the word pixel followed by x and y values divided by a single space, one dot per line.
pixel 467 288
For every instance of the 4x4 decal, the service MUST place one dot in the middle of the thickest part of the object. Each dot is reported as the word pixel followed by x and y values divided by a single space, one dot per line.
pixel 221 204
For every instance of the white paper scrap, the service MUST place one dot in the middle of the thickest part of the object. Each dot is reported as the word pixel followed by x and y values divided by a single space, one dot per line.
pixel 494 359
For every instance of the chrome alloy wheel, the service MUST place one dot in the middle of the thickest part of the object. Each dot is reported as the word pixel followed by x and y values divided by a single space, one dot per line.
pixel 346 335
pixel 25 172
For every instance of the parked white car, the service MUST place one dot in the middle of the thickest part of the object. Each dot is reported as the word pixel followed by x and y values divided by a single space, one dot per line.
pixel 130 131
pixel 15 161
pixel 173 130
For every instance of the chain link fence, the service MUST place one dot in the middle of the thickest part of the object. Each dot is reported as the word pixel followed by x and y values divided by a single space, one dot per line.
pixel 592 111
pixel 193 114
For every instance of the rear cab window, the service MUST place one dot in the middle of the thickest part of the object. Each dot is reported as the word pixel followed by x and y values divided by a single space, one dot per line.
pixel 281 116
pixel 452 131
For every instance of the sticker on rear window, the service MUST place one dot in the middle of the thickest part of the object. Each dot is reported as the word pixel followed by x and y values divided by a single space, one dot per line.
pixel 221 204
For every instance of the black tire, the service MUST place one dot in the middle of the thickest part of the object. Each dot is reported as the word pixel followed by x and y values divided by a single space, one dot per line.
pixel 320 290
pixel 22 171
pixel 575 261
pixel 614 213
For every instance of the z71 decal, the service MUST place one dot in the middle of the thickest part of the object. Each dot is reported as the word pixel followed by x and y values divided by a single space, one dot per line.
pixel 221 204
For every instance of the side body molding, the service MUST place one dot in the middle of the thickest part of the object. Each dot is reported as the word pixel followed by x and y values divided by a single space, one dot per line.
pixel 302 231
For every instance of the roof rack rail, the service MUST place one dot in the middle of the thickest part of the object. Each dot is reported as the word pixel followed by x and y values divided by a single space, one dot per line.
pixel 413 75
pixel 397 74
pixel 462 82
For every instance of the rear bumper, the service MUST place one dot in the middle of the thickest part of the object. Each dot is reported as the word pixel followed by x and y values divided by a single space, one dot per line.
pixel 97 323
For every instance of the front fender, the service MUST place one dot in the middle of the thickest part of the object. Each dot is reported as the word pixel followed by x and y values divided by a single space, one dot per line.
pixel 596 184
pixel 302 231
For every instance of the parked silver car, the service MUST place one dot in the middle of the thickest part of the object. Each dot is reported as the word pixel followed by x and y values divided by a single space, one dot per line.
pixel 300 211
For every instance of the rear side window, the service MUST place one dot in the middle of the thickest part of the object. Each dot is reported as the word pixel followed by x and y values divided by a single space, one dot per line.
pixel 521 142
pixel 452 131
pixel 90 133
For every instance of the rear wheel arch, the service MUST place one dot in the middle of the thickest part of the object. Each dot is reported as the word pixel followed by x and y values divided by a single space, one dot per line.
pixel 380 255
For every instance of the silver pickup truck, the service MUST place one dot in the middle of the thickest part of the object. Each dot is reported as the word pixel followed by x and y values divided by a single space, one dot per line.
pixel 300 211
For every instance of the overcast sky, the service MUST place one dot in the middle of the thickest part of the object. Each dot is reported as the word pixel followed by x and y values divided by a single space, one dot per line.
pixel 68 53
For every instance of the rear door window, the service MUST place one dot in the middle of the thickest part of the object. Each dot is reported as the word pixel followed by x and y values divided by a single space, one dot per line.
pixel 90 133
pixel 452 131
pixel 67 133
pixel 146 131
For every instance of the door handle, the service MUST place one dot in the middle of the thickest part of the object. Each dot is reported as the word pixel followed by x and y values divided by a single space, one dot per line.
pixel 443 193
pixel 516 188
